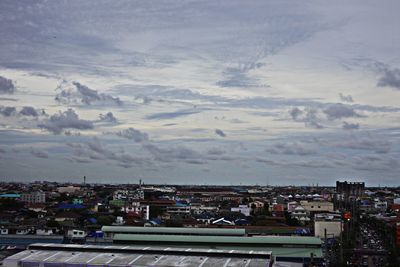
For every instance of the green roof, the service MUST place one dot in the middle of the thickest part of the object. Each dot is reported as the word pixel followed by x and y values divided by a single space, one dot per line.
pixel 280 246
pixel 259 240
pixel 174 230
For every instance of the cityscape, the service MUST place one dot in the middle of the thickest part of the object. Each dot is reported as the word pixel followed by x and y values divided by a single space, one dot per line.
pixel 199 133
pixel 349 224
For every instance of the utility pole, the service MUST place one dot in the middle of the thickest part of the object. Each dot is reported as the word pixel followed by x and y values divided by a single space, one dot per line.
pixel 341 247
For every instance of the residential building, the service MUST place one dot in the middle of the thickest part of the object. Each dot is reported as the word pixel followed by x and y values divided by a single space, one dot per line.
pixel 34 197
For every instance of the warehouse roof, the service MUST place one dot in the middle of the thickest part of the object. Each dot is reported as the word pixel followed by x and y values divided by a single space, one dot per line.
pixel 259 240
pixel 137 256
pixel 174 230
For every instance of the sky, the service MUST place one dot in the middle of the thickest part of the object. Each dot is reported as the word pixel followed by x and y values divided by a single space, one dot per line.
pixel 200 92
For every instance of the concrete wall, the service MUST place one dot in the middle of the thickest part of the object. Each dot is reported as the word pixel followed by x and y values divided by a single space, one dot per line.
pixel 333 228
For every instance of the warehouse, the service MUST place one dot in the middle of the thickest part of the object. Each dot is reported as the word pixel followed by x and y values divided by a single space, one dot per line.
pixel 110 231
pixel 88 256
pixel 283 248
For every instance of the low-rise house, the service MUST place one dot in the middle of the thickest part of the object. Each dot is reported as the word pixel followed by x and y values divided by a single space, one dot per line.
pixel 45 231
pixel 244 209
pixel 3 231
pixel 317 206
pixel 300 214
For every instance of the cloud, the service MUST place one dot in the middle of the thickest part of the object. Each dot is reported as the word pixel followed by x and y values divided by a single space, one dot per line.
pixel 346 98
pixel 376 145
pixel 81 94
pixel 6 86
pixel 350 126
pixel 338 111
pixel 108 117
pixel 295 113
pixel 172 115
pixel 29 111
pixel 290 149
pixel 65 120
pixel 309 116
pixel 7 111
pixel 39 153
pixel 373 162
pixel 216 151
pixel 390 77
pixel 236 120
pixel 311 119
pixel 95 149
pixel 176 153
pixel 301 163
pixel 134 135
pixel 220 133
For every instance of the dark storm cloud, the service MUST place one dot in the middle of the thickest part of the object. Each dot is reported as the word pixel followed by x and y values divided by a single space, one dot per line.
pixel 65 120
pixel 108 117
pixel 7 111
pixel 6 86
pixel 220 133
pixel 346 98
pixel 81 94
pixel 338 111
pixel 29 111
pixel 291 149
pixel 350 126
pixel 134 135
pixel 390 77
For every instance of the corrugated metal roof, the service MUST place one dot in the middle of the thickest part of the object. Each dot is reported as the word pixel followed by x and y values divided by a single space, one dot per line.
pixel 140 257
pixel 174 230
pixel 259 240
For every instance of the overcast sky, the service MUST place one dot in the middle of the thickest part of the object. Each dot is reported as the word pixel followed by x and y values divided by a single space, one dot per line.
pixel 200 92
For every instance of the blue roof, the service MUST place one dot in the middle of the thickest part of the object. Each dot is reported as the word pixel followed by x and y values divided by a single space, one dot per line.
pixel 10 195
pixel 92 220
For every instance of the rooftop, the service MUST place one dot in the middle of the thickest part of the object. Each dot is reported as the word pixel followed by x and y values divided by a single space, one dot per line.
pixel 174 230
pixel 73 255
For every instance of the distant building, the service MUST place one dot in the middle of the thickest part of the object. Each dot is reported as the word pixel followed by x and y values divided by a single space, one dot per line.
pixel 300 214
pixel 34 197
pixel 317 206
pixel 347 190
pixel 68 189
pixel 244 209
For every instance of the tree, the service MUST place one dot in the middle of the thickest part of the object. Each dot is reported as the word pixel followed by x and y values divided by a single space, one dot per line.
pixel 155 211
pixel 105 220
